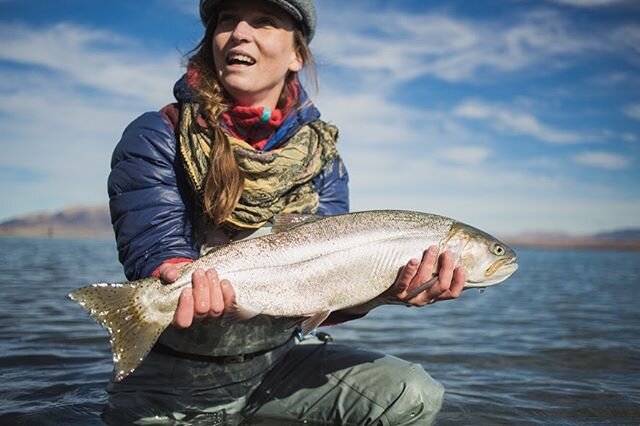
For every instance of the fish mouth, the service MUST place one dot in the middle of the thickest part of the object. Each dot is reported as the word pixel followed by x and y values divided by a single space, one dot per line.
pixel 499 264
pixel 499 271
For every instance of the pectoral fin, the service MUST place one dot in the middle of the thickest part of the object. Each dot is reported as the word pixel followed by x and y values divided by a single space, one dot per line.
pixel 312 322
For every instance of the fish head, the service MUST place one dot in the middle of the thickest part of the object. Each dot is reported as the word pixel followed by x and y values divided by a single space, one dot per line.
pixel 487 261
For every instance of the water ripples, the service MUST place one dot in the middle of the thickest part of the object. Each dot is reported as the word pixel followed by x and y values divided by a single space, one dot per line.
pixel 557 344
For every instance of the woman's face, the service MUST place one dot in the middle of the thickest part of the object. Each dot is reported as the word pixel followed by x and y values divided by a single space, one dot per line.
pixel 254 50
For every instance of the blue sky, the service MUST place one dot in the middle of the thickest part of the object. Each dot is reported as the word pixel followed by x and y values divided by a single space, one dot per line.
pixel 511 115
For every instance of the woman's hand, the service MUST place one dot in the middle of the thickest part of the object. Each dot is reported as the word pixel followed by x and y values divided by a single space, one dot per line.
pixel 207 297
pixel 448 286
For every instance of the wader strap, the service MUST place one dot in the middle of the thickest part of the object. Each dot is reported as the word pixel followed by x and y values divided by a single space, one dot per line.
pixel 225 359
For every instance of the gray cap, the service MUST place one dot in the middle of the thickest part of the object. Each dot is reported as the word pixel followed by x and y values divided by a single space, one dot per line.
pixel 303 11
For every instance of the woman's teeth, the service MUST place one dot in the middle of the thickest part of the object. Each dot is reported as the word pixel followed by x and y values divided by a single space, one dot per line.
pixel 240 59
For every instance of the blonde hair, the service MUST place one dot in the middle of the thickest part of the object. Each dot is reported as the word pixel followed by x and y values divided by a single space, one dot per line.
pixel 224 181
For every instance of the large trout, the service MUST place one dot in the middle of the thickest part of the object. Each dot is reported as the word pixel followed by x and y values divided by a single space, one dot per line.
pixel 305 268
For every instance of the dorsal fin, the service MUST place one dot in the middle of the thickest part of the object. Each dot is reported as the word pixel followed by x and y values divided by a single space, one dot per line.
pixel 287 221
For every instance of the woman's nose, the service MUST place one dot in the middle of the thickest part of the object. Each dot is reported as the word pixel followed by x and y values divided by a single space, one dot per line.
pixel 242 31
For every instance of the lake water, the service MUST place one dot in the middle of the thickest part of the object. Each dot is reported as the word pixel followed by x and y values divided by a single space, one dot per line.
pixel 559 343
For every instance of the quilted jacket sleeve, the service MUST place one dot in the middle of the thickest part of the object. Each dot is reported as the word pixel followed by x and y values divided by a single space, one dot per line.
pixel 148 198
pixel 333 186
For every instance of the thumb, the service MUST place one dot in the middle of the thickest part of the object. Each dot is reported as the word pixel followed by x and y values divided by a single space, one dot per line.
pixel 169 274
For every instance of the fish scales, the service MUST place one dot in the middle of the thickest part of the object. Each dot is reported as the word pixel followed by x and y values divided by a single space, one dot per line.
pixel 339 254
pixel 309 270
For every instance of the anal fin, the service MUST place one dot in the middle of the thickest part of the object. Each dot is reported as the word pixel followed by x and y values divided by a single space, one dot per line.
pixel 239 313
pixel 312 322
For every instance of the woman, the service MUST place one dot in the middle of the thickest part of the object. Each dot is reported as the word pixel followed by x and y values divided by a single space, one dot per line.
pixel 243 143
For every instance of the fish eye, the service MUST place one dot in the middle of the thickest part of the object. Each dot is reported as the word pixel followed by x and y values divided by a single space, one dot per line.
pixel 498 250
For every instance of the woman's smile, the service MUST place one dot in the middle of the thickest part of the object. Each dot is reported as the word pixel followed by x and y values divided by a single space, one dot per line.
pixel 239 59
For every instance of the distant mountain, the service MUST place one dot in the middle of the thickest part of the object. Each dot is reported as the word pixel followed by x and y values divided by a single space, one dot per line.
pixel 78 221
pixel 625 239
pixel 621 235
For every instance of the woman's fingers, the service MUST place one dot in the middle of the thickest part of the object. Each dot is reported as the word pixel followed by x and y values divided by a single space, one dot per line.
pixel 215 294
pixel 427 267
pixel 414 274
pixel 457 285
pixel 207 297
pixel 423 274
pixel 228 294
pixel 183 316
pixel 201 293
pixel 445 273
pixel 459 280
pixel 450 280
pixel 405 277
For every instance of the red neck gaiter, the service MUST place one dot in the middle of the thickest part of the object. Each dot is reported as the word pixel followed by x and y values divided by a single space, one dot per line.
pixel 256 125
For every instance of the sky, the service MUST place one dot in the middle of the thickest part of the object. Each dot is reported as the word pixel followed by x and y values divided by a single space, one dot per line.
pixel 509 115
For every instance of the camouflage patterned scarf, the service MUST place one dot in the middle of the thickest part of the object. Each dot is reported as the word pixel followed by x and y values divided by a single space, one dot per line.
pixel 276 181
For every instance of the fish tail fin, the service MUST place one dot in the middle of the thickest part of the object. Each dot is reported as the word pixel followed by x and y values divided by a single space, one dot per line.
pixel 132 326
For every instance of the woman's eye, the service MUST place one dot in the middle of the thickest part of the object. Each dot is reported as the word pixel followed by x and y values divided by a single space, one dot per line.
pixel 266 21
pixel 226 20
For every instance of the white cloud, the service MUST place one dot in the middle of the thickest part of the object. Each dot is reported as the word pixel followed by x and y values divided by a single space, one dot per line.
pixel 466 155
pixel 518 122
pixel 613 135
pixel 633 111
pixel 399 156
pixel 367 118
pixel 628 80
pixel 65 102
pixel 589 3
pixel 496 198
pixel 603 160
pixel 96 59
pixel 188 7
pixel 64 134
pixel 545 162
pixel 627 37
pixel 412 49
pixel 403 46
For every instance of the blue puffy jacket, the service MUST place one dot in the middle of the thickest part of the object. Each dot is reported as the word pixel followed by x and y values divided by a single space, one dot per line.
pixel 152 203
